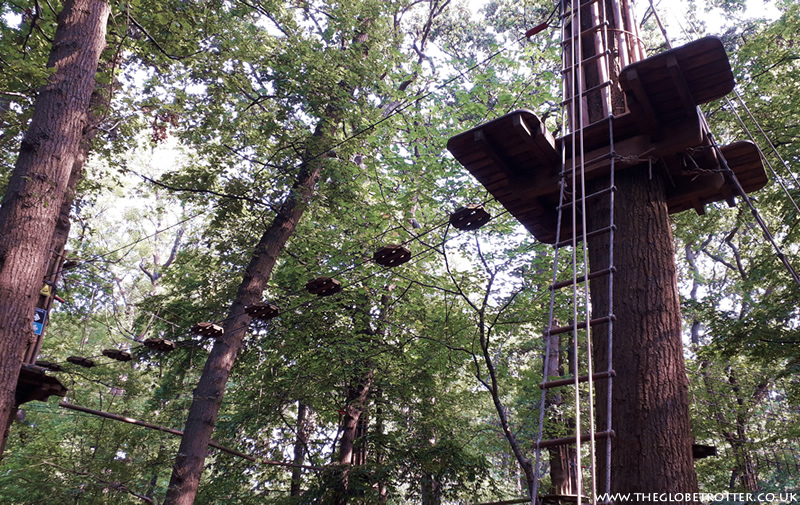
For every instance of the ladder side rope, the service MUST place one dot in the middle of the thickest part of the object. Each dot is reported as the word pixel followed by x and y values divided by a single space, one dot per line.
pixel 577 136
pixel 610 266
pixel 567 114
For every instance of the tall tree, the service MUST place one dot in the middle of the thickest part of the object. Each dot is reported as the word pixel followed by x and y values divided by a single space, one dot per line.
pixel 40 179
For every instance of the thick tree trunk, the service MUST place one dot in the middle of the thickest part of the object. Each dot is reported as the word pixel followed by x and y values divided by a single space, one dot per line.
pixel 209 393
pixel 39 182
pixel 652 451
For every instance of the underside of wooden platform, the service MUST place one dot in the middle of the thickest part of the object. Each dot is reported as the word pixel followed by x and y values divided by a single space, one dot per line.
pixel 35 384
pixel 520 163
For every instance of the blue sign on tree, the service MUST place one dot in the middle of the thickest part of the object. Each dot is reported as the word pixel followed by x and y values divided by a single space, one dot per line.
pixel 39 317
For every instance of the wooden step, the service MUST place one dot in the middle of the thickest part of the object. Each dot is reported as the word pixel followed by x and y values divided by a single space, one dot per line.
pixel 556 442
pixel 586 92
pixel 582 278
pixel 591 234
pixel 587 59
pixel 570 327
pixel 582 378
pixel 602 192
pixel 574 10
pixel 584 33
pixel 563 498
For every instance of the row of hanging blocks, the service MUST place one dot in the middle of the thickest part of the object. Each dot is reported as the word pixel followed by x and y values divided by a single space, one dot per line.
pixel 467 218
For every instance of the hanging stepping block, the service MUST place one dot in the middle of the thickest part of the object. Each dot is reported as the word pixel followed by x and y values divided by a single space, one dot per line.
pixel 469 218
pixel 118 355
pixel 391 255
pixel 323 286
pixel 53 367
pixel 84 362
pixel 208 330
pixel 159 344
pixel 261 310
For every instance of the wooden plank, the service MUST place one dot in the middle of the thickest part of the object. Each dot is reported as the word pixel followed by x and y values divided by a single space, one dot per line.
pixel 640 107
pixel 705 67
pixel 680 83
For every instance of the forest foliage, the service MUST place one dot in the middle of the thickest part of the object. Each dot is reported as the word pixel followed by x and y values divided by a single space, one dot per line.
pixel 214 110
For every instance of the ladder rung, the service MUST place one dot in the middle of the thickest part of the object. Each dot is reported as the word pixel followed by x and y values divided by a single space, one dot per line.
pixel 544 444
pixel 582 278
pixel 585 32
pixel 589 197
pixel 594 322
pixel 574 10
pixel 566 172
pixel 591 234
pixel 587 91
pixel 559 498
pixel 588 59
pixel 581 379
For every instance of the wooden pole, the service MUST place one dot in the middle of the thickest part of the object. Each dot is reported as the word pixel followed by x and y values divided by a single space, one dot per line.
pixel 179 433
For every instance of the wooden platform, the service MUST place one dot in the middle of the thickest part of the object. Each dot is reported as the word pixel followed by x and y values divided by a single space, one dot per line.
pixel 519 161
pixel 35 384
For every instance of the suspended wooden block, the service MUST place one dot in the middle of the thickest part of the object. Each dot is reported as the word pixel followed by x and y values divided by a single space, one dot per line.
pixel 261 310
pixel 323 286
pixel 118 355
pixel 84 362
pixel 391 255
pixel 208 330
pixel 469 218
pixel 159 344
pixel 700 451
pixel 53 367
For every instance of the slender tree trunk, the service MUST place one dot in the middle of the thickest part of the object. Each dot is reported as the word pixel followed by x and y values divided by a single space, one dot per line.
pixel 301 438
pixel 652 451
pixel 358 396
pixel 208 396
pixel 380 453
pixel 40 179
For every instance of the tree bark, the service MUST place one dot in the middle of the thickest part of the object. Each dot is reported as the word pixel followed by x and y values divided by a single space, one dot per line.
pixel 38 184
pixel 208 396
pixel 652 451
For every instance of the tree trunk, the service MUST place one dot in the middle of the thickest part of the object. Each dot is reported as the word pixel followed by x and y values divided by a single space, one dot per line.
pixel 358 396
pixel 209 393
pixel 652 451
pixel 301 438
pixel 39 182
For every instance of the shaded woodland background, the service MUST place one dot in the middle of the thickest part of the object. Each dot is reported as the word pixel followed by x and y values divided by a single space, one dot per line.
pixel 212 111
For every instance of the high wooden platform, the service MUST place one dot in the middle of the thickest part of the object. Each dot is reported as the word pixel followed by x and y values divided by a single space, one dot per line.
pixel 520 162
pixel 35 384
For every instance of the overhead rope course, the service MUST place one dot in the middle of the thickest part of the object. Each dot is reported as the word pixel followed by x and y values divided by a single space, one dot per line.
pixel 164 345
